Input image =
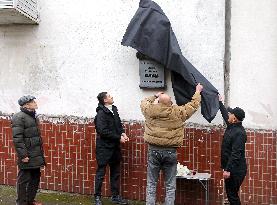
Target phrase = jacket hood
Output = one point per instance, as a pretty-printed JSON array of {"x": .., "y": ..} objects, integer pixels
[{"x": 102, "y": 107}]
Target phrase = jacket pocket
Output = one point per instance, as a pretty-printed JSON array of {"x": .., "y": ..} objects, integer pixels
[
  {"x": 35, "y": 141},
  {"x": 27, "y": 142},
  {"x": 171, "y": 156}
]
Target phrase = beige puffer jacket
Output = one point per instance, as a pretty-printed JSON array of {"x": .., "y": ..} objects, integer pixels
[{"x": 164, "y": 125}]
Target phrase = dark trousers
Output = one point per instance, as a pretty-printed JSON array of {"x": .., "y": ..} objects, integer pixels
[
  {"x": 27, "y": 185},
  {"x": 113, "y": 161},
  {"x": 232, "y": 186}
]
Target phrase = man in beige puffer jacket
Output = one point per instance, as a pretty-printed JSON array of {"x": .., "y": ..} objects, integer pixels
[{"x": 164, "y": 132}]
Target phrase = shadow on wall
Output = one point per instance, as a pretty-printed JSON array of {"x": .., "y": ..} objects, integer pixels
[{"x": 262, "y": 119}]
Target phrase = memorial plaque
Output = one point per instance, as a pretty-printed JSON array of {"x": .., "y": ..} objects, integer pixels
[{"x": 151, "y": 74}]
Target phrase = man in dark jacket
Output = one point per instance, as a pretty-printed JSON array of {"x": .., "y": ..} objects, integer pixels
[
  {"x": 28, "y": 144},
  {"x": 110, "y": 134},
  {"x": 233, "y": 160}
]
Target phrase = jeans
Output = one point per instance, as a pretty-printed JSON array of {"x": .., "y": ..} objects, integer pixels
[
  {"x": 232, "y": 186},
  {"x": 27, "y": 185},
  {"x": 164, "y": 159}
]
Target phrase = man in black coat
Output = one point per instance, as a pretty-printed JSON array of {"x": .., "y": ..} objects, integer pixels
[
  {"x": 28, "y": 145},
  {"x": 233, "y": 160},
  {"x": 110, "y": 134}
]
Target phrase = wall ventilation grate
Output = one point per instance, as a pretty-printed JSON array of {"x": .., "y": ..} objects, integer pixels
[{"x": 19, "y": 12}]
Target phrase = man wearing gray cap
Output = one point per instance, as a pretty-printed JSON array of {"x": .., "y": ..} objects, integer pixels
[{"x": 28, "y": 145}]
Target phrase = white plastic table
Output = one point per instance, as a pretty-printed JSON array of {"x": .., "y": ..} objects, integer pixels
[{"x": 203, "y": 178}]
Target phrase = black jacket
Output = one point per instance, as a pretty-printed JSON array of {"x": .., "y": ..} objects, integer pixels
[
  {"x": 233, "y": 145},
  {"x": 27, "y": 140},
  {"x": 108, "y": 126}
]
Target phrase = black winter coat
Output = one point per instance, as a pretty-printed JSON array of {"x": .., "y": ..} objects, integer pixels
[
  {"x": 233, "y": 146},
  {"x": 109, "y": 129},
  {"x": 27, "y": 140},
  {"x": 108, "y": 126}
]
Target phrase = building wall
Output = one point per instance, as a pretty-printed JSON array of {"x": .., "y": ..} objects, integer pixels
[
  {"x": 75, "y": 53},
  {"x": 253, "y": 61},
  {"x": 69, "y": 145}
]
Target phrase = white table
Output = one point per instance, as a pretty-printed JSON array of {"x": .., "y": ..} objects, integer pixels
[{"x": 203, "y": 178}]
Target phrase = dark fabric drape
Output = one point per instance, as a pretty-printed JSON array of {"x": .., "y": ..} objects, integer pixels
[{"x": 150, "y": 33}]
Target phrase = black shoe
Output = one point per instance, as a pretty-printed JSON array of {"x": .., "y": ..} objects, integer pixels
[
  {"x": 98, "y": 200},
  {"x": 118, "y": 200}
]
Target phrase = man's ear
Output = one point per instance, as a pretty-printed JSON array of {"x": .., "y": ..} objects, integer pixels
[{"x": 105, "y": 99}]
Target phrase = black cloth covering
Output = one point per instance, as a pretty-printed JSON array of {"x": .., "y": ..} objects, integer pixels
[{"x": 150, "y": 33}]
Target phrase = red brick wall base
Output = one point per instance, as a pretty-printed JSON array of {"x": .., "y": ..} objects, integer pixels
[{"x": 69, "y": 145}]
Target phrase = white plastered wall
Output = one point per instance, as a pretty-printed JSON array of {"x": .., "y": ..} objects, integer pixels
[
  {"x": 254, "y": 61},
  {"x": 75, "y": 53}
]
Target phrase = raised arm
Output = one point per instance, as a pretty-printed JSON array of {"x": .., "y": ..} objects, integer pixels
[
  {"x": 187, "y": 110},
  {"x": 148, "y": 107},
  {"x": 223, "y": 110},
  {"x": 190, "y": 108}
]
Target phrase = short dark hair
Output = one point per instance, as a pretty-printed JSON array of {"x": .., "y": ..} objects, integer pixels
[{"x": 101, "y": 96}]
